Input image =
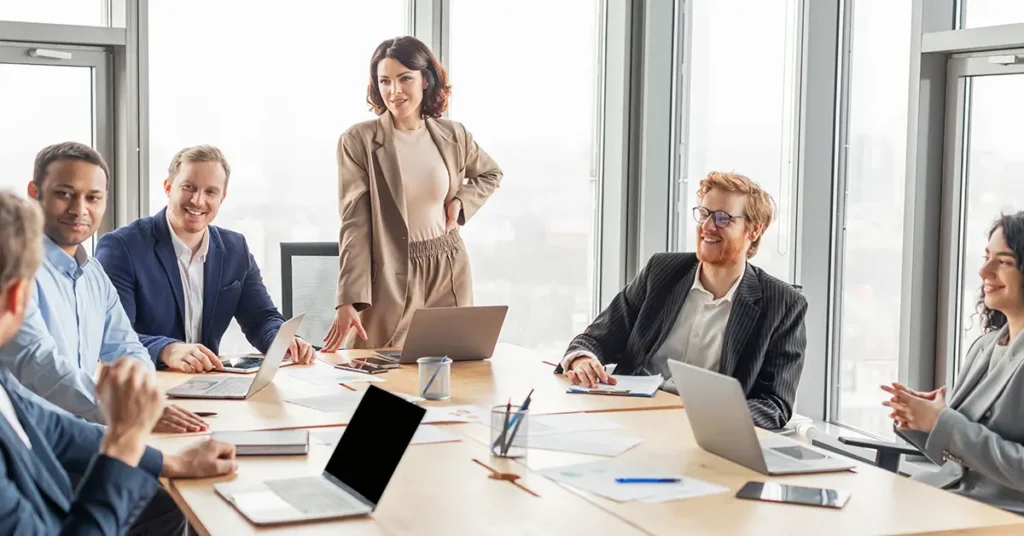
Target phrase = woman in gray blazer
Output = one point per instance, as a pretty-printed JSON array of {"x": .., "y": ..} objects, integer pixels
[{"x": 977, "y": 437}]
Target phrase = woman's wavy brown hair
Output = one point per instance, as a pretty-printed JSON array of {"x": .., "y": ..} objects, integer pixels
[{"x": 415, "y": 55}]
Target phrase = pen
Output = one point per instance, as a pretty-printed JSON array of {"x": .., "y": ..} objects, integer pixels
[
  {"x": 206, "y": 413},
  {"x": 647, "y": 480},
  {"x": 524, "y": 407}
]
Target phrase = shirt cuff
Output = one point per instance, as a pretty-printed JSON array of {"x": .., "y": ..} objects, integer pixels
[
  {"x": 152, "y": 462},
  {"x": 569, "y": 357}
]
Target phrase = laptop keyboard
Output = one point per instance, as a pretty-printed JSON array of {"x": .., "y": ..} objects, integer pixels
[
  {"x": 231, "y": 386},
  {"x": 314, "y": 496}
]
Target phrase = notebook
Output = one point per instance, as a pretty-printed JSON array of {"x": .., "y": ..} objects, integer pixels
[
  {"x": 625, "y": 386},
  {"x": 266, "y": 442}
]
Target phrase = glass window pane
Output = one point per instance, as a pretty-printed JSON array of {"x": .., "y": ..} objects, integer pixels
[
  {"x": 978, "y": 13},
  {"x": 40, "y": 105},
  {"x": 741, "y": 115},
  {"x": 76, "y": 12},
  {"x": 993, "y": 182},
  {"x": 532, "y": 244},
  {"x": 273, "y": 87},
  {"x": 875, "y": 182}
]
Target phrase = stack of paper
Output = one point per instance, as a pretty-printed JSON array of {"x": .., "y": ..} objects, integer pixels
[
  {"x": 425, "y": 434},
  {"x": 596, "y": 444},
  {"x": 321, "y": 376},
  {"x": 599, "y": 478},
  {"x": 570, "y": 423},
  {"x": 340, "y": 401},
  {"x": 625, "y": 385}
]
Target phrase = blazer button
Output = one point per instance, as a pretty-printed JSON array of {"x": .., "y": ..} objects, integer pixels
[{"x": 988, "y": 414}]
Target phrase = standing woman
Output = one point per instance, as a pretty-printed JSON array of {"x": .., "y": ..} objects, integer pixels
[{"x": 406, "y": 181}]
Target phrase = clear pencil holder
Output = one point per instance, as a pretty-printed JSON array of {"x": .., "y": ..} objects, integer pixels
[
  {"x": 509, "y": 431},
  {"x": 435, "y": 377}
]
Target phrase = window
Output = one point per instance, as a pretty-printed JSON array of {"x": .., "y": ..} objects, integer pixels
[
  {"x": 743, "y": 87},
  {"x": 531, "y": 103},
  {"x": 992, "y": 183},
  {"x": 978, "y": 13},
  {"x": 273, "y": 86},
  {"x": 869, "y": 275},
  {"x": 76, "y": 12},
  {"x": 41, "y": 105}
]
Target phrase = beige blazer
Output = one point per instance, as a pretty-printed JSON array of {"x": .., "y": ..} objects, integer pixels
[{"x": 373, "y": 245}]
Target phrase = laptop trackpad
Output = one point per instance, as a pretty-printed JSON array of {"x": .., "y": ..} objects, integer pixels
[{"x": 800, "y": 453}]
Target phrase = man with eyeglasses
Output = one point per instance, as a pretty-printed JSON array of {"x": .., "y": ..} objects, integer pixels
[{"x": 710, "y": 309}]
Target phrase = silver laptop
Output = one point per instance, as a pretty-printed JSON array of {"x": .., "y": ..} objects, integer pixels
[
  {"x": 721, "y": 423},
  {"x": 240, "y": 388},
  {"x": 355, "y": 477},
  {"x": 461, "y": 333}
]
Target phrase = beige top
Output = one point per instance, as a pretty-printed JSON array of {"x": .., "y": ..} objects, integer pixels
[{"x": 425, "y": 179}]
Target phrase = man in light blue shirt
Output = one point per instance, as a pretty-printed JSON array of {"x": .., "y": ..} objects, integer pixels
[{"x": 74, "y": 318}]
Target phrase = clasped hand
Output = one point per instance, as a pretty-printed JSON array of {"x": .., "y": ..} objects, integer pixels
[{"x": 914, "y": 410}]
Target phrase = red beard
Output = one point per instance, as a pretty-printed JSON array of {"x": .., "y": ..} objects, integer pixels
[{"x": 725, "y": 252}]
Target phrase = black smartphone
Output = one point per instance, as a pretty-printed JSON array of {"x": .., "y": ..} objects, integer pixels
[
  {"x": 783, "y": 493},
  {"x": 358, "y": 366},
  {"x": 393, "y": 355}
]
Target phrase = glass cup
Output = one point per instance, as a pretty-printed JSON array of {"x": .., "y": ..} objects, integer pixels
[
  {"x": 509, "y": 431},
  {"x": 435, "y": 377}
]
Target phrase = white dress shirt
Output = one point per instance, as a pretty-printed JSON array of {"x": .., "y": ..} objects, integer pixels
[
  {"x": 698, "y": 333},
  {"x": 7, "y": 409},
  {"x": 191, "y": 269}
]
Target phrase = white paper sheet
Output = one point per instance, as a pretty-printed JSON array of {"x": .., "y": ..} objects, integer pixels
[
  {"x": 340, "y": 401},
  {"x": 456, "y": 414},
  {"x": 594, "y": 443},
  {"x": 425, "y": 434},
  {"x": 599, "y": 478},
  {"x": 637, "y": 385},
  {"x": 321, "y": 376},
  {"x": 570, "y": 423}
]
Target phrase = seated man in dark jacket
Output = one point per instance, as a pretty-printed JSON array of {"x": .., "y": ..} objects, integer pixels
[
  {"x": 40, "y": 449},
  {"x": 710, "y": 309}
]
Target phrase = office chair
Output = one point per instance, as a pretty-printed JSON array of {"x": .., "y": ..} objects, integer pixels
[
  {"x": 309, "y": 277},
  {"x": 887, "y": 454}
]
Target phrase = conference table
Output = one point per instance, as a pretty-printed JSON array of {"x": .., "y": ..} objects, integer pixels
[{"x": 458, "y": 487}]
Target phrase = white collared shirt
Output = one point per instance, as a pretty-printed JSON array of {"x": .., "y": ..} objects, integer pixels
[
  {"x": 696, "y": 337},
  {"x": 190, "y": 267},
  {"x": 7, "y": 409}
]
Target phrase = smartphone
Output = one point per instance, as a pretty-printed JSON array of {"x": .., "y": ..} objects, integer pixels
[
  {"x": 379, "y": 361},
  {"x": 783, "y": 493},
  {"x": 365, "y": 368}
]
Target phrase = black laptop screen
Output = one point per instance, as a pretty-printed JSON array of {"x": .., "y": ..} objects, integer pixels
[{"x": 374, "y": 442}]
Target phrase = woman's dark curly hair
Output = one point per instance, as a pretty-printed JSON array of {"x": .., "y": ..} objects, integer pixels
[
  {"x": 1013, "y": 231},
  {"x": 415, "y": 55}
]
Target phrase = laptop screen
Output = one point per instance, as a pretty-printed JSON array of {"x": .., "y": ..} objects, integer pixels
[{"x": 374, "y": 442}]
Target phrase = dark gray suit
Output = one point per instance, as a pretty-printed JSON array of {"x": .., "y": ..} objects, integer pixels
[
  {"x": 764, "y": 339},
  {"x": 979, "y": 439}
]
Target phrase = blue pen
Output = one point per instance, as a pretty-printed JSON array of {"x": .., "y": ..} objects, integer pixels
[{"x": 647, "y": 480}]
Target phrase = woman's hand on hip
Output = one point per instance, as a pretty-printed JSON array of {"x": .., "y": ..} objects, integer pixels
[
  {"x": 452, "y": 212},
  {"x": 345, "y": 319}
]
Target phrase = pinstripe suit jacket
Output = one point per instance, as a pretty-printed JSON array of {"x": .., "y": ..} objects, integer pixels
[{"x": 764, "y": 342}]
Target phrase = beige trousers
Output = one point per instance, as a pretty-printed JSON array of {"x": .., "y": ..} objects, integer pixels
[{"x": 439, "y": 276}]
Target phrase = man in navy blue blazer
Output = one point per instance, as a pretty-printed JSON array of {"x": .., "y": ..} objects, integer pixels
[
  {"x": 181, "y": 280},
  {"x": 43, "y": 450}
]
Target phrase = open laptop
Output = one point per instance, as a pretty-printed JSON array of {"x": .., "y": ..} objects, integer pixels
[
  {"x": 354, "y": 480},
  {"x": 721, "y": 423},
  {"x": 461, "y": 333},
  {"x": 246, "y": 363},
  {"x": 240, "y": 388}
]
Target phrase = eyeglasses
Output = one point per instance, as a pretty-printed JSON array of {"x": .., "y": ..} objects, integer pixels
[{"x": 721, "y": 218}]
